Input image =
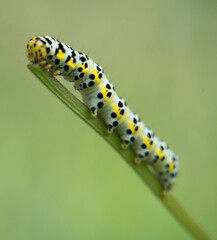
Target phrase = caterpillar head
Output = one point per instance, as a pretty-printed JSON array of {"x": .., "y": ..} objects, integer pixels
[{"x": 36, "y": 50}]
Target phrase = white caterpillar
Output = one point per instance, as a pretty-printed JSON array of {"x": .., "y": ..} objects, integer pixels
[{"x": 100, "y": 97}]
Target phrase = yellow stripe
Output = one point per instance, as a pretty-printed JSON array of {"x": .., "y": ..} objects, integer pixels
[
  {"x": 159, "y": 153},
  {"x": 70, "y": 63},
  {"x": 171, "y": 166},
  {"x": 61, "y": 55},
  {"x": 147, "y": 142}
]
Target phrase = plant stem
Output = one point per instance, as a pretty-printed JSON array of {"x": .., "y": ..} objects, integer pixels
[{"x": 114, "y": 140}]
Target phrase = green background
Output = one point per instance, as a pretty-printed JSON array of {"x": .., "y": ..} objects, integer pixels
[{"x": 161, "y": 57}]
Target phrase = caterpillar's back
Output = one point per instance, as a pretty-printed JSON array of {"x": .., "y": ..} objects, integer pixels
[{"x": 100, "y": 97}]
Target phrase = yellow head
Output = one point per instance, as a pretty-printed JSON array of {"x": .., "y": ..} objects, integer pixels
[{"x": 36, "y": 50}]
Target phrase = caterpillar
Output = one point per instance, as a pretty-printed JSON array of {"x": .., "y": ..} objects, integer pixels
[{"x": 100, "y": 97}]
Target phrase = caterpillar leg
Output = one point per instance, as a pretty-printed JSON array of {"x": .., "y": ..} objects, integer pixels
[
  {"x": 42, "y": 62},
  {"x": 91, "y": 103},
  {"x": 93, "y": 112},
  {"x": 137, "y": 160},
  {"x": 109, "y": 129},
  {"x": 125, "y": 144},
  {"x": 48, "y": 66},
  {"x": 56, "y": 73}
]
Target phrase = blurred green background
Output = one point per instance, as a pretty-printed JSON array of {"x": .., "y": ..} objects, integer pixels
[{"x": 52, "y": 179}]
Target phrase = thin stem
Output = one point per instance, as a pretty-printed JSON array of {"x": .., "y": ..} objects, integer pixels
[{"x": 113, "y": 139}]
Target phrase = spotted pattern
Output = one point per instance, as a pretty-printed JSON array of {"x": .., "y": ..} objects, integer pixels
[{"x": 102, "y": 100}]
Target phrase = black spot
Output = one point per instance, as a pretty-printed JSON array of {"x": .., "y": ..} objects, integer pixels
[
  {"x": 143, "y": 146},
  {"x": 57, "y": 61},
  {"x": 34, "y": 44},
  {"x": 154, "y": 161},
  {"x": 167, "y": 165},
  {"x": 66, "y": 68},
  {"x": 67, "y": 59},
  {"x": 43, "y": 41},
  {"x": 126, "y": 141},
  {"x": 163, "y": 158},
  {"x": 108, "y": 86},
  {"x": 83, "y": 59},
  {"x": 100, "y": 75},
  {"x": 172, "y": 175},
  {"x": 76, "y": 78},
  {"x": 129, "y": 131},
  {"x": 149, "y": 135},
  {"x": 92, "y": 76},
  {"x": 140, "y": 156},
  {"x": 146, "y": 154},
  {"x": 48, "y": 40},
  {"x": 113, "y": 115},
  {"x": 91, "y": 83},
  {"x": 73, "y": 54},
  {"x": 80, "y": 69},
  {"x": 80, "y": 53},
  {"x": 136, "y": 128},
  {"x": 115, "y": 123},
  {"x": 98, "y": 68},
  {"x": 100, "y": 95},
  {"x": 134, "y": 120},
  {"x": 84, "y": 85},
  {"x": 122, "y": 112},
  {"x": 110, "y": 127},
  {"x": 57, "y": 50},
  {"x": 93, "y": 109},
  {"x": 81, "y": 75},
  {"x": 151, "y": 142},
  {"x": 132, "y": 139},
  {"x": 100, "y": 104},
  {"x": 49, "y": 57},
  {"x": 161, "y": 147},
  {"x": 109, "y": 94},
  {"x": 85, "y": 65},
  {"x": 120, "y": 104},
  {"x": 61, "y": 47}
]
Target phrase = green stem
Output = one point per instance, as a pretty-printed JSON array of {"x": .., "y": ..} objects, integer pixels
[{"x": 141, "y": 169}]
